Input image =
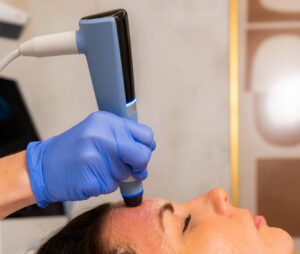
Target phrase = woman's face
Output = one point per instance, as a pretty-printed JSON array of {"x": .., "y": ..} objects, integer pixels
[{"x": 206, "y": 225}]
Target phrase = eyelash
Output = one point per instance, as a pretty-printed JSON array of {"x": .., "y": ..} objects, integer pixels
[{"x": 186, "y": 223}]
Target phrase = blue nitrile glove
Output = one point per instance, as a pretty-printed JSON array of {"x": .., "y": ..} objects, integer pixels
[{"x": 89, "y": 159}]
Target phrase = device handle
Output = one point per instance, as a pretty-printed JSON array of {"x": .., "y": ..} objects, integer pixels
[{"x": 98, "y": 40}]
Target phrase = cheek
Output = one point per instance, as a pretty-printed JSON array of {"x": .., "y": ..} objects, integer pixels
[
  {"x": 222, "y": 237},
  {"x": 205, "y": 241}
]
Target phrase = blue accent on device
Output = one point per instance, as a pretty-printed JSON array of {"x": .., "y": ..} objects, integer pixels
[
  {"x": 104, "y": 39},
  {"x": 133, "y": 195},
  {"x": 131, "y": 102}
]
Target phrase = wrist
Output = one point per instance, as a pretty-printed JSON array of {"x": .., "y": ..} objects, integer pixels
[
  {"x": 15, "y": 189},
  {"x": 34, "y": 158}
]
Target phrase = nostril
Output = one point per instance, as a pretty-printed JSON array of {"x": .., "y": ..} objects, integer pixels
[{"x": 226, "y": 199}]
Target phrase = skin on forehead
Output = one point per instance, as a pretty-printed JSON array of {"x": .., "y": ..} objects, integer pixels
[{"x": 139, "y": 226}]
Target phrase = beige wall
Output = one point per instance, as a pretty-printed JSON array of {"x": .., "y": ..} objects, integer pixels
[
  {"x": 267, "y": 39},
  {"x": 180, "y": 54}
]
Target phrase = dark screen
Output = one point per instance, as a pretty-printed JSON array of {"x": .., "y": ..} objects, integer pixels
[{"x": 16, "y": 127}]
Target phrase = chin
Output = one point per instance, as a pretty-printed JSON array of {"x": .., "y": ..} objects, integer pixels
[{"x": 284, "y": 239}]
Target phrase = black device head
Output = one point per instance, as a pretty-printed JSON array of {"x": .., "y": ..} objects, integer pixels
[{"x": 133, "y": 201}]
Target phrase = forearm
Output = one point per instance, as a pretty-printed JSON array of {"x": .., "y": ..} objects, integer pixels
[{"x": 15, "y": 188}]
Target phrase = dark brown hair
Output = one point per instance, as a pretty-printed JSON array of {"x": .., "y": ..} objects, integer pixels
[{"x": 83, "y": 235}]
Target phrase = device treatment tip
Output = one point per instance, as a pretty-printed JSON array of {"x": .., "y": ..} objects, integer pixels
[{"x": 133, "y": 201}]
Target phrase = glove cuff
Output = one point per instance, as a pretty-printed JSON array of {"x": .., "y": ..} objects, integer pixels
[{"x": 34, "y": 157}]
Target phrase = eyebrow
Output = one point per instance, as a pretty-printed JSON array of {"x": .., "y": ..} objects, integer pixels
[{"x": 166, "y": 207}]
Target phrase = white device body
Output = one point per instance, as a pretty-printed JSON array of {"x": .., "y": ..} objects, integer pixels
[{"x": 50, "y": 45}]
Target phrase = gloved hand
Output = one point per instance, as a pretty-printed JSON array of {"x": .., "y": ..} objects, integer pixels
[{"x": 89, "y": 159}]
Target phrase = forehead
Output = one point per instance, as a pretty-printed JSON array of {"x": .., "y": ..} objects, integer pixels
[
  {"x": 141, "y": 216},
  {"x": 138, "y": 226}
]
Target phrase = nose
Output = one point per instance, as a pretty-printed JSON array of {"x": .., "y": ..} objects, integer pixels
[{"x": 219, "y": 200}]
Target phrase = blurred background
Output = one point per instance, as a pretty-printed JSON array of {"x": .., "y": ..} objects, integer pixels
[
  {"x": 182, "y": 57},
  {"x": 269, "y": 83}
]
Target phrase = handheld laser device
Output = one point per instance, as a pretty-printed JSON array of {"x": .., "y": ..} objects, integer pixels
[{"x": 104, "y": 39}]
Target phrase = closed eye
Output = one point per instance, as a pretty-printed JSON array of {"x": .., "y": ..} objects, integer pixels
[{"x": 186, "y": 223}]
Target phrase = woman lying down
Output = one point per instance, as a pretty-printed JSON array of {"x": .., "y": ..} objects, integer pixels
[{"x": 205, "y": 225}]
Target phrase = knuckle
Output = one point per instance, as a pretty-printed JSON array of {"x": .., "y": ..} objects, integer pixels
[
  {"x": 85, "y": 134},
  {"x": 88, "y": 157},
  {"x": 144, "y": 158},
  {"x": 94, "y": 116},
  {"x": 147, "y": 154},
  {"x": 148, "y": 134},
  {"x": 99, "y": 115},
  {"x": 141, "y": 175}
]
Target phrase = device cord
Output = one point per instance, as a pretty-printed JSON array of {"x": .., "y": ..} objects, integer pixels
[{"x": 8, "y": 58}]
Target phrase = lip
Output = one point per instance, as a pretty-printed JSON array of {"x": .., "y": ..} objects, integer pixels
[{"x": 259, "y": 221}]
